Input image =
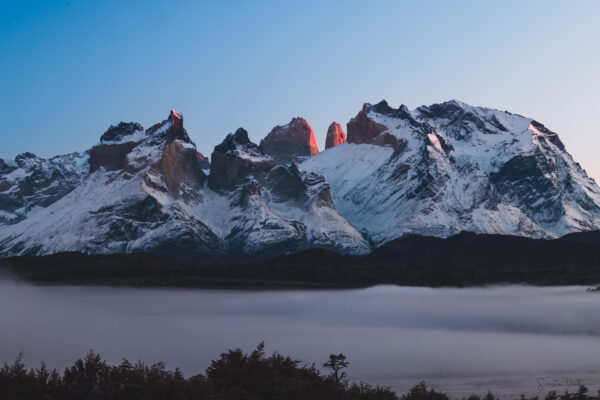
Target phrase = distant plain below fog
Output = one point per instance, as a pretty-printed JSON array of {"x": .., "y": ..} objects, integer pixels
[{"x": 511, "y": 339}]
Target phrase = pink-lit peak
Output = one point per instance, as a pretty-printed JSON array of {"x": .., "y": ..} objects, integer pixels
[{"x": 176, "y": 114}]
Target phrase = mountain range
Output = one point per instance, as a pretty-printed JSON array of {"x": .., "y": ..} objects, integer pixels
[{"x": 433, "y": 171}]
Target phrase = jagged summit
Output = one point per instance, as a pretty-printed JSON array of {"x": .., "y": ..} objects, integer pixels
[
  {"x": 444, "y": 168},
  {"x": 171, "y": 128},
  {"x": 25, "y": 156},
  {"x": 235, "y": 159},
  {"x": 175, "y": 115},
  {"x": 436, "y": 170},
  {"x": 292, "y": 142},
  {"x": 176, "y": 120},
  {"x": 272, "y": 209},
  {"x": 131, "y": 200},
  {"x": 123, "y": 131},
  {"x": 232, "y": 140}
]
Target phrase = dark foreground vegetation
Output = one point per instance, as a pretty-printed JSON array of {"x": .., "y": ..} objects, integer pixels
[
  {"x": 463, "y": 260},
  {"x": 234, "y": 376}
]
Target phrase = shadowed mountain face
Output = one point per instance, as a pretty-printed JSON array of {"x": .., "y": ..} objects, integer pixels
[{"x": 434, "y": 171}]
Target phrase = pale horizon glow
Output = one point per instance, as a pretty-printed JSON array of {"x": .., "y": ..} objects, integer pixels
[{"x": 72, "y": 68}]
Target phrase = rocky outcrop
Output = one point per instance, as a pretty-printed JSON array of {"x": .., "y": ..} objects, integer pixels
[
  {"x": 110, "y": 156},
  {"x": 24, "y": 159},
  {"x": 544, "y": 133},
  {"x": 293, "y": 142},
  {"x": 204, "y": 162},
  {"x": 363, "y": 129},
  {"x": 123, "y": 131},
  {"x": 170, "y": 129},
  {"x": 181, "y": 170},
  {"x": 335, "y": 135},
  {"x": 235, "y": 159},
  {"x": 115, "y": 144},
  {"x": 289, "y": 184},
  {"x": 175, "y": 165}
]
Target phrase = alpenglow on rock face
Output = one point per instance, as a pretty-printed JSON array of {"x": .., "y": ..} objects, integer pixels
[
  {"x": 335, "y": 135},
  {"x": 293, "y": 142},
  {"x": 450, "y": 167},
  {"x": 435, "y": 170}
]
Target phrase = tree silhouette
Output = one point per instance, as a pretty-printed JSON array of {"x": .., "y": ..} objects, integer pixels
[{"x": 337, "y": 362}]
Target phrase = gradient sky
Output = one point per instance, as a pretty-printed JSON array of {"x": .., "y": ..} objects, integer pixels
[{"x": 69, "y": 69}]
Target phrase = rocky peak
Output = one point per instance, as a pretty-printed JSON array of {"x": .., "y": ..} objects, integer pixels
[
  {"x": 170, "y": 129},
  {"x": 460, "y": 120},
  {"x": 335, "y": 135},
  {"x": 176, "y": 120},
  {"x": 180, "y": 166},
  {"x": 384, "y": 108},
  {"x": 124, "y": 131},
  {"x": 447, "y": 109},
  {"x": 362, "y": 129},
  {"x": 290, "y": 143},
  {"x": 115, "y": 144},
  {"x": 119, "y": 141},
  {"x": 233, "y": 140},
  {"x": 25, "y": 159},
  {"x": 176, "y": 131},
  {"x": 370, "y": 126},
  {"x": 235, "y": 159},
  {"x": 25, "y": 156}
]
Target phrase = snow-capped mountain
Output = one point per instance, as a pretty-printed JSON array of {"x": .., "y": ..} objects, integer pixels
[
  {"x": 435, "y": 170},
  {"x": 30, "y": 183},
  {"x": 129, "y": 201},
  {"x": 265, "y": 209},
  {"x": 451, "y": 167},
  {"x": 145, "y": 190}
]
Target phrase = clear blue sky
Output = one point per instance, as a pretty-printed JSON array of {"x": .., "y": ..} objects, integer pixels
[{"x": 69, "y": 69}]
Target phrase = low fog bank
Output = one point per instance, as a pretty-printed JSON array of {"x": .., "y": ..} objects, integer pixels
[{"x": 390, "y": 334}]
